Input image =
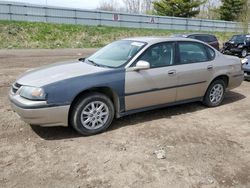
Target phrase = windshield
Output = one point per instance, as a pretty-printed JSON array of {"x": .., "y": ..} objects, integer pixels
[
  {"x": 238, "y": 38},
  {"x": 117, "y": 53}
]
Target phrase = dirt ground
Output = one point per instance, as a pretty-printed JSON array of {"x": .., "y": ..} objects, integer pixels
[{"x": 204, "y": 147}]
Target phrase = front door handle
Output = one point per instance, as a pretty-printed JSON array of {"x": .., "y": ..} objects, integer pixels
[
  {"x": 209, "y": 67},
  {"x": 172, "y": 72}
]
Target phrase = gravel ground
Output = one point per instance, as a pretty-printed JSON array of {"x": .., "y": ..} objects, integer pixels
[{"x": 203, "y": 147}]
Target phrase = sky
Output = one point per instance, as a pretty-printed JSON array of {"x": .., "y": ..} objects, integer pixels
[{"x": 82, "y": 4}]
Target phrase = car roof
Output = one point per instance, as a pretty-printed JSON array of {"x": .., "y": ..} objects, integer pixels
[
  {"x": 152, "y": 39},
  {"x": 190, "y": 34}
]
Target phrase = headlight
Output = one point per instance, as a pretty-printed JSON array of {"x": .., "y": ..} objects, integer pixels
[
  {"x": 240, "y": 46},
  {"x": 32, "y": 93},
  {"x": 243, "y": 61}
]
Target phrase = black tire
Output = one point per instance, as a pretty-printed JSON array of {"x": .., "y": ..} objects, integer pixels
[
  {"x": 78, "y": 107},
  {"x": 243, "y": 53},
  {"x": 207, "y": 100}
]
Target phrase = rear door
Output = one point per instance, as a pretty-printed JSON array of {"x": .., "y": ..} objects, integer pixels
[{"x": 194, "y": 70}]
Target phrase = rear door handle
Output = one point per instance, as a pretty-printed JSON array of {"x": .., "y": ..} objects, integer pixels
[
  {"x": 172, "y": 72},
  {"x": 209, "y": 67}
]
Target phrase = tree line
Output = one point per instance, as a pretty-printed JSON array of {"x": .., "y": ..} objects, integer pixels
[{"x": 228, "y": 10}]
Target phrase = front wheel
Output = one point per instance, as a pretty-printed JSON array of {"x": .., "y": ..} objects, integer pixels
[
  {"x": 92, "y": 114},
  {"x": 215, "y": 93}
]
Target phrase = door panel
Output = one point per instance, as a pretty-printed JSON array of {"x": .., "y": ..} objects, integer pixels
[
  {"x": 149, "y": 87},
  {"x": 194, "y": 80},
  {"x": 194, "y": 70}
]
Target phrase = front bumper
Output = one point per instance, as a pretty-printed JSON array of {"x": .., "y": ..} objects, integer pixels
[
  {"x": 232, "y": 50},
  {"x": 246, "y": 69},
  {"x": 235, "y": 50},
  {"x": 247, "y": 76},
  {"x": 38, "y": 113}
]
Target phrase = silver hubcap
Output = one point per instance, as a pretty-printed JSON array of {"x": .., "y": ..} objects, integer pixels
[
  {"x": 94, "y": 115},
  {"x": 244, "y": 53},
  {"x": 216, "y": 93}
]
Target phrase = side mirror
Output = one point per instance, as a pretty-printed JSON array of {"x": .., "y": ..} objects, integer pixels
[
  {"x": 141, "y": 65},
  {"x": 82, "y": 59}
]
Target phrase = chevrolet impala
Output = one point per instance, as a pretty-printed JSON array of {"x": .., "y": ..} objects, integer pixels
[{"x": 127, "y": 76}]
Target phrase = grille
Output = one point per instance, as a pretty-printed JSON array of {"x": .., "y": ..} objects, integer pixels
[
  {"x": 15, "y": 87},
  {"x": 230, "y": 45}
]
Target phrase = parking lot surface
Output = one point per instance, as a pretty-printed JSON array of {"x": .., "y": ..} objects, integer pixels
[{"x": 203, "y": 147}]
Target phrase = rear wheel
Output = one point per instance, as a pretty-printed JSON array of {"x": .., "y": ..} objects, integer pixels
[
  {"x": 92, "y": 114},
  {"x": 215, "y": 93}
]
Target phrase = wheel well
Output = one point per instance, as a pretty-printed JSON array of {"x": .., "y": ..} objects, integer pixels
[
  {"x": 225, "y": 78},
  {"x": 104, "y": 90}
]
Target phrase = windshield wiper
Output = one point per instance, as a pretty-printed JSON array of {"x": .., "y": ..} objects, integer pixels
[
  {"x": 98, "y": 65},
  {"x": 94, "y": 63},
  {"x": 91, "y": 61}
]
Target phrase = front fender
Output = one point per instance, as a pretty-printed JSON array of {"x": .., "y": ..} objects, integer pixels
[{"x": 64, "y": 92}]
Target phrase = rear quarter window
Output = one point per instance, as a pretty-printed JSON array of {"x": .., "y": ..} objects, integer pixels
[{"x": 211, "y": 53}]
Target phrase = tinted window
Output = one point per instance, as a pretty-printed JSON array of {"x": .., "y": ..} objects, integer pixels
[
  {"x": 202, "y": 38},
  {"x": 191, "y": 52},
  {"x": 192, "y": 37},
  {"x": 159, "y": 55},
  {"x": 213, "y": 38},
  {"x": 238, "y": 38},
  {"x": 205, "y": 38}
]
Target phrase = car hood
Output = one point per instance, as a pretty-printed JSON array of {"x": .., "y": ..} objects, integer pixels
[
  {"x": 56, "y": 72},
  {"x": 233, "y": 43}
]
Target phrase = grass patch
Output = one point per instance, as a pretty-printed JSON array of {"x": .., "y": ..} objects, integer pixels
[{"x": 46, "y": 35}]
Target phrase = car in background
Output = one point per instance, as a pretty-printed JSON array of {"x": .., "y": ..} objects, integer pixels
[
  {"x": 238, "y": 45},
  {"x": 246, "y": 67},
  {"x": 208, "y": 38},
  {"x": 125, "y": 77}
]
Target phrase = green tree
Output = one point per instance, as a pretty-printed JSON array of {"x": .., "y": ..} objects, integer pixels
[
  {"x": 244, "y": 16},
  {"x": 230, "y": 10},
  {"x": 179, "y": 8}
]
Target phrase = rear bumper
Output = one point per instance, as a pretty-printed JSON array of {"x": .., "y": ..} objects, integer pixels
[{"x": 39, "y": 115}]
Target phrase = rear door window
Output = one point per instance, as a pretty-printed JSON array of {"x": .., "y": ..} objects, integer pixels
[{"x": 192, "y": 52}]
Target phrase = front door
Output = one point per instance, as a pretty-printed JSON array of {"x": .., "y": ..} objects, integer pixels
[{"x": 154, "y": 86}]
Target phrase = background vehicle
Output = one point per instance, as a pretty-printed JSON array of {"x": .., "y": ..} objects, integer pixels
[
  {"x": 238, "y": 45},
  {"x": 246, "y": 67},
  {"x": 208, "y": 38},
  {"x": 124, "y": 77}
]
